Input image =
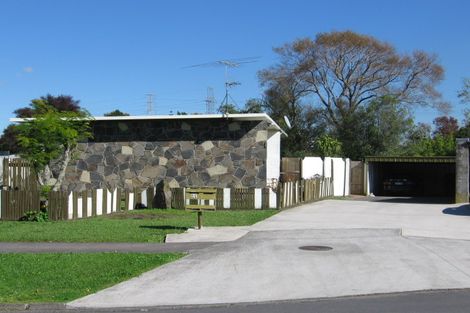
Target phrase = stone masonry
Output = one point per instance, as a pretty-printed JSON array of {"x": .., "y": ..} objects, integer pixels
[{"x": 181, "y": 153}]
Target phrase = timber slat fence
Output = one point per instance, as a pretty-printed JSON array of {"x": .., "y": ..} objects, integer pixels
[
  {"x": 18, "y": 174},
  {"x": 73, "y": 205}
]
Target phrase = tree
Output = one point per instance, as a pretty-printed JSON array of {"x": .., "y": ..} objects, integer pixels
[
  {"x": 446, "y": 126},
  {"x": 327, "y": 146},
  {"x": 464, "y": 93},
  {"x": 47, "y": 140},
  {"x": 376, "y": 129},
  {"x": 61, "y": 103},
  {"x": 345, "y": 71},
  {"x": 9, "y": 140},
  {"x": 253, "y": 106},
  {"x": 116, "y": 113}
]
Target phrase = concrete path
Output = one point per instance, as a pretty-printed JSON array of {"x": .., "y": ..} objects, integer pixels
[
  {"x": 64, "y": 247},
  {"x": 268, "y": 266},
  {"x": 415, "y": 219}
]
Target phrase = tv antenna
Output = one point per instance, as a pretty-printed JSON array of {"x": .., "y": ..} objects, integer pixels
[{"x": 227, "y": 63}]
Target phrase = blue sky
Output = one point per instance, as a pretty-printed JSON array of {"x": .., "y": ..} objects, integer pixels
[{"x": 109, "y": 54}]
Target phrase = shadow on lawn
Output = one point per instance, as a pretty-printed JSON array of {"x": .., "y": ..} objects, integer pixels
[
  {"x": 163, "y": 227},
  {"x": 463, "y": 210}
]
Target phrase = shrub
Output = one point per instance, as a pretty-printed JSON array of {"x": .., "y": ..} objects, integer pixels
[{"x": 35, "y": 216}]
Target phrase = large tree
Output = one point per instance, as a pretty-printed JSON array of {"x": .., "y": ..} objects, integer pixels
[
  {"x": 61, "y": 103},
  {"x": 343, "y": 72},
  {"x": 47, "y": 140}
]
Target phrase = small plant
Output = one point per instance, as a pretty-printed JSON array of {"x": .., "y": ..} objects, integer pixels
[{"x": 35, "y": 216}]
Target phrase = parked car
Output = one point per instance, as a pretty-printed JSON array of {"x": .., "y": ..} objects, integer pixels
[{"x": 398, "y": 185}]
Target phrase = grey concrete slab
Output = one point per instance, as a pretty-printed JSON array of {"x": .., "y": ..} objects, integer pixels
[
  {"x": 415, "y": 219},
  {"x": 65, "y": 247},
  {"x": 268, "y": 266}
]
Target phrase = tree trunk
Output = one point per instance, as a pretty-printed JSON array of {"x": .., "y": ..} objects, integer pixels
[{"x": 63, "y": 166}]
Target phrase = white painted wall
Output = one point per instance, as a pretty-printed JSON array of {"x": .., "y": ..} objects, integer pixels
[
  {"x": 312, "y": 166},
  {"x": 338, "y": 176},
  {"x": 273, "y": 155},
  {"x": 327, "y": 167}
]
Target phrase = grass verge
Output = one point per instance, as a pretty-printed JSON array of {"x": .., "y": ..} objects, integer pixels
[
  {"x": 151, "y": 225},
  {"x": 59, "y": 277}
]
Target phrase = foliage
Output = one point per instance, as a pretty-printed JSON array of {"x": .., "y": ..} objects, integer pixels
[
  {"x": 35, "y": 216},
  {"x": 9, "y": 140},
  {"x": 253, "y": 106},
  {"x": 51, "y": 136},
  {"x": 376, "y": 129},
  {"x": 445, "y": 126},
  {"x": 437, "y": 146},
  {"x": 150, "y": 225},
  {"x": 228, "y": 109},
  {"x": 464, "y": 93},
  {"x": 116, "y": 113},
  {"x": 61, "y": 277},
  {"x": 60, "y": 103},
  {"x": 328, "y": 146},
  {"x": 345, "y": 75}
]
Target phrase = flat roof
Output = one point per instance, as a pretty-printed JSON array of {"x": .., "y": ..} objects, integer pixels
[
  {"x": 411, "y": 159},
  {"x": 235, "y": 117}
]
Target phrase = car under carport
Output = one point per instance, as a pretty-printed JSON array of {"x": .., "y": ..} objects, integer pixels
[{"x": 410, "y": 176}]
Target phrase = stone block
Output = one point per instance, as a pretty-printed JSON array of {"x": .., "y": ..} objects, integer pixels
[
  {"x": 207, "y": 145},
  {"x": 126, "y": 150},
  {"x": 216, "y": 170},
  {"x": 85, "y": 177}
]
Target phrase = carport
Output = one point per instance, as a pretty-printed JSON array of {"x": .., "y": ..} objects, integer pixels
[{"x": 410, "y": 176}]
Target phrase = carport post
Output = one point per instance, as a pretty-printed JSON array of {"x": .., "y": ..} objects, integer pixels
[{"x": 462, "y": 170}]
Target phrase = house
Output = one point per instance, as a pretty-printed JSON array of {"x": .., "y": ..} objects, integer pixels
[{"x": 225, "y": 151}]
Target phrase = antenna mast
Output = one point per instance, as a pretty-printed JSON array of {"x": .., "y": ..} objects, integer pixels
[{"x": 210, "y": 100}]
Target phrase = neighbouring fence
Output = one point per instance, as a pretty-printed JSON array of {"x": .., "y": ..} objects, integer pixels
[{"x": 304, "y": 191}]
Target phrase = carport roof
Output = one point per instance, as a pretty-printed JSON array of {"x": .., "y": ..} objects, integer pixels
[{"x": 411, "y": 159}]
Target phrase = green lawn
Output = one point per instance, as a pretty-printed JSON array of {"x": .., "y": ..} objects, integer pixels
[
  {"x": 58, "y": 277},
  {"x": 149, "y": 225}
]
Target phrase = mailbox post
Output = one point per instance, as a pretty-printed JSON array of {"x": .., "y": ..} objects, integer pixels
[{"x": 199, "y": 200}]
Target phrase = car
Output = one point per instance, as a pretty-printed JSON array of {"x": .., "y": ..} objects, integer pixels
[{"x": 398, "y": 185}]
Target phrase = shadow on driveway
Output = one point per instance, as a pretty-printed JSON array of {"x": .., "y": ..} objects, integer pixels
[
  {"x": 463, "y": 210},
  {"x": 434, "y": 200}
]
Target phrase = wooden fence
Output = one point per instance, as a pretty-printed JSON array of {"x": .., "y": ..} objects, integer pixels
[
  {"x": 15, "y": 203},
  {"x": 302, "y": 191},
  {"x": 73, "y": 205},
  {"x": 18, "y": 174}
]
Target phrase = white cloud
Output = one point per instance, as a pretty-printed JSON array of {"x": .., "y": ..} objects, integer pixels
[{"x": 27, "y": 69}]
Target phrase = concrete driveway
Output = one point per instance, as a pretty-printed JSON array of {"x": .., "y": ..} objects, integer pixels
[
  {"x": 266, "y": 264},
  {"x": 414, "y": 219}
]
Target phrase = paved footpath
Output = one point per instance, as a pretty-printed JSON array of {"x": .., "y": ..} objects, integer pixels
[{"x": 63, "y": 247}]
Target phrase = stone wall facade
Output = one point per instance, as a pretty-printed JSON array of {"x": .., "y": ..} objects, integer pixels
[{"x": 181, "y": 153}]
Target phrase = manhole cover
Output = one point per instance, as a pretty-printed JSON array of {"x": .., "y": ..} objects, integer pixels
[{"x": 316, "y": 248}]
